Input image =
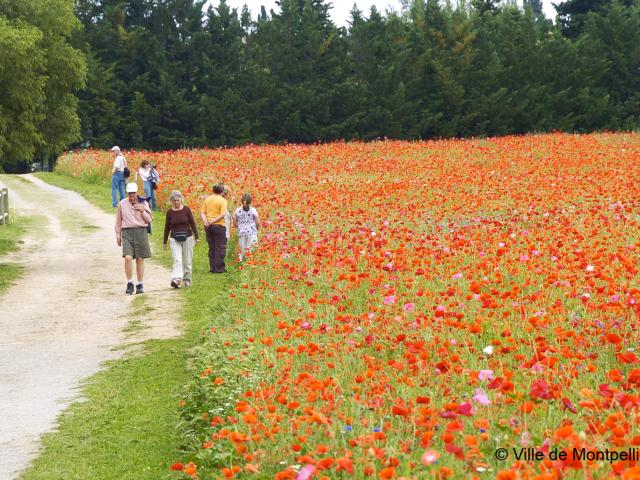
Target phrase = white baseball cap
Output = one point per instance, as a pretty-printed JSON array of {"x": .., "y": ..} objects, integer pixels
[
  {"x": 115, "y": 148},
  {"x": 132, "y": 187}
]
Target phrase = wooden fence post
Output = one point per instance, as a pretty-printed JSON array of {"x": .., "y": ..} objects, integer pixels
[{"x": 4, "y": 206}]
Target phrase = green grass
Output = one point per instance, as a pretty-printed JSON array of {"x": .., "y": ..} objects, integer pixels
[
  {"x": 10, "y": 240},
  {"x": 128, "y": 426},
  {"x": 10, "y": 235}
]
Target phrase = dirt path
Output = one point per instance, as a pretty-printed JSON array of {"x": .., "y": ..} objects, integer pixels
[{"x": 67, "y": 312}]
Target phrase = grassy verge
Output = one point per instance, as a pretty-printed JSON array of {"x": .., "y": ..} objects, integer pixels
[
  {"x": 10, "y": 235},
  {"x": 129, "y": 425}
]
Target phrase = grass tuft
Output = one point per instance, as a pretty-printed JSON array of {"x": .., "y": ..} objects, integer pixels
[{"x": 10, "y": 240}]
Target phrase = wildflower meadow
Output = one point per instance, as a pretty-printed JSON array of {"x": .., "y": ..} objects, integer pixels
[{"x": 414, "y": 307}]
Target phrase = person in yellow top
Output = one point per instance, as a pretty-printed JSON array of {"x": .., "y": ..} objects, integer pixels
[{"x": 213, "y": 214}]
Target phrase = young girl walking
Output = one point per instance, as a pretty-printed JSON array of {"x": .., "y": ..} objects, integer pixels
[{"x": 247, "y": 221}]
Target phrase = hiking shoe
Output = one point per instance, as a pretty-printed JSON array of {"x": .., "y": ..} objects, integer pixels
[
  {"x": 139, "y": 288},
  {"x": 129, "y": 288},
  {"x": 175, "y": 283}
]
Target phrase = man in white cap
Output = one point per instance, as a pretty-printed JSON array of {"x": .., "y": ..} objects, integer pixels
[
  {"x": 117, "y": 175},
  {"x": 132, "y": 219}
]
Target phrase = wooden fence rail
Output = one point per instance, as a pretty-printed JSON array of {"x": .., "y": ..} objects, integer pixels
[{"x": 4, "y": 206}]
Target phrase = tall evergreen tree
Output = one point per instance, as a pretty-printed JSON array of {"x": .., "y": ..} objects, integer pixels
[
  {"x": 572, "y": 14},
  {"x": 302, "y": 52},
  {"x": 612, "y": 39},
  {"x": 377, "y": 98},
  {"x": 224, "y": 114},
  {"x": 441, "y": 51},
  {"x": 536, "y": 8}
]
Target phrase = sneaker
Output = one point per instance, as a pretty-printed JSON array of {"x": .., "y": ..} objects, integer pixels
[
  {"x": 187, "y": 284},
  {"x": 129, "y": 288},
  {"x": 175, "y": 283},
  {"x": 139, "y": 289}
]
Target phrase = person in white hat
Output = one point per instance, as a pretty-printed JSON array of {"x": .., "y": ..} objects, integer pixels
[
  {"x": 117, "y": 175},
  {"x": 132, "y": 218}
]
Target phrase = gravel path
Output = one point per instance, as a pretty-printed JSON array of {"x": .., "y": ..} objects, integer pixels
[{"x": 66, "y": 314}]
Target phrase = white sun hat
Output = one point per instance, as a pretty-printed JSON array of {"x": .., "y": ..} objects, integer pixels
[{"x": 132, "y": 187}]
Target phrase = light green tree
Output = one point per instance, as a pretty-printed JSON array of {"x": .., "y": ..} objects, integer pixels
[{"x": 39, "y": 74}]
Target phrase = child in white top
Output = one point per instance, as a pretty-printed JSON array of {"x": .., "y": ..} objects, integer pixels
[{"x": 247, "y": 221}]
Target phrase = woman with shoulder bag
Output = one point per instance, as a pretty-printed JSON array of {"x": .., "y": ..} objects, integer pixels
[{"x": 181, "y": 225}]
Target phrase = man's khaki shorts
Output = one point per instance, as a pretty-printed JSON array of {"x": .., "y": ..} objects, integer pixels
[{"x": 135, "y": 242}]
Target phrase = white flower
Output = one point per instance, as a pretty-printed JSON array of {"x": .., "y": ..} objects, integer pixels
[{"x": 488, "y": 350}]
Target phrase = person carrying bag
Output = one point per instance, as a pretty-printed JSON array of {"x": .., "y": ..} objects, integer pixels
[{"x": 181, "y": 226}]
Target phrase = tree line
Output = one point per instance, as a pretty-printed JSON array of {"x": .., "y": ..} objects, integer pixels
[{"x": 171, "y": 73}]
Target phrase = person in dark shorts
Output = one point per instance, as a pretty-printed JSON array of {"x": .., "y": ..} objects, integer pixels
[{"x": 132, "y": 219}]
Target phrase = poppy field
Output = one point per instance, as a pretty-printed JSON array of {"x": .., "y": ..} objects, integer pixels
[{"x": 413, "y": 307}]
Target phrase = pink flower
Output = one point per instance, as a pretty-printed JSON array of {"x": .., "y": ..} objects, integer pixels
[
  {"x": 306, "y": 472},
  {"x": 389, "y": 300},
  {"x": 481, "y": 397},
  {"x": 465, "y": 408},
  {"x": 305, "y": 326},
  {"x": 408, "y": 307},
  {"x": 484, "y": 375},
  {"x": 429, "y": 457},
  {"x": 457, "y": 276}
]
